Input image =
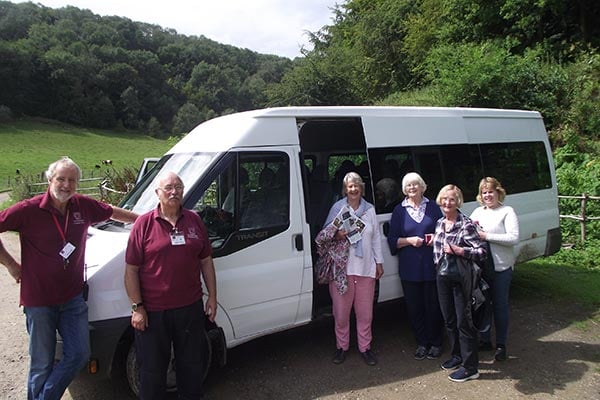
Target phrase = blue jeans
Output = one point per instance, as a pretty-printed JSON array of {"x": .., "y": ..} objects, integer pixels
[
  {"x": 500, "y": 289},
  {"x": 47, "y": 381}
]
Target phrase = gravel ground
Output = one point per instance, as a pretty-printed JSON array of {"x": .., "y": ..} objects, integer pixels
[{"x": 552, "y": 355}]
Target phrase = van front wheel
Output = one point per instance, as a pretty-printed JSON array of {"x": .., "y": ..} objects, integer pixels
[{"x": 133, "y": 372}]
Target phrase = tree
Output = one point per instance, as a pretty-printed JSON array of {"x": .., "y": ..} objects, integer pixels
[{"x": 186, "y": 118}]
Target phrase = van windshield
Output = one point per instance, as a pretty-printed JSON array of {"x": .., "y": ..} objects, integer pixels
[{"x": 189, "y": 166}]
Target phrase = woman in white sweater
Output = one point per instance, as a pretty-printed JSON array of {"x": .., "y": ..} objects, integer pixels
[{"x": 499, "y": 225}]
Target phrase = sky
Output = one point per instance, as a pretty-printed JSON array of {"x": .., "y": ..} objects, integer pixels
[{"x": 265, "y": 26}]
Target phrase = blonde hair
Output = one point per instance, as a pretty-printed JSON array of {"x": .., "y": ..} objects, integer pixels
[
  {"x": 413, "y": 177},
  {"x": 491, "y": 183},
  {"x": 459, "y": 195},
  {"x": 354, "y": 178}
]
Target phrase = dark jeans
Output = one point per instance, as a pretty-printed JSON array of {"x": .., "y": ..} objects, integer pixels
[
  {"x": 424, "y": 313},
  {"x": 462, "y": 335},
  {"x": 184, "y": 329},
  {"x": 500, "y": 289}
]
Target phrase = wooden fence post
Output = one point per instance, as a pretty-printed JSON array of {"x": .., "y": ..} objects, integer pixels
[{"x": 584, "y": 198}]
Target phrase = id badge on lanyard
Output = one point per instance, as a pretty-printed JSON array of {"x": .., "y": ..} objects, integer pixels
[
  {"x": 68, "y": 247},
  {"x": 177, "y": 238}
]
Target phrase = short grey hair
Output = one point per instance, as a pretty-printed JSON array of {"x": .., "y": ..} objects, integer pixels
[
  {"x": 354, "y": 178},
  {"x": 413, "y": 177},
  {"x": 62, "y": 162}
]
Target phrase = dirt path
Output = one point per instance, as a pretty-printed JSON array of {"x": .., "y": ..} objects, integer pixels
[{"x": 553, "y": 355}]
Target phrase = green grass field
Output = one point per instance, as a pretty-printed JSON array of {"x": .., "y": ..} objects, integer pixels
[
  {"x": 571, "y": 275},
  {"x": 29, "y": 146}
]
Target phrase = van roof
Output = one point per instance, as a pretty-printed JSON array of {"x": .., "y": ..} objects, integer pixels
[
  {"x": 387, "y": 111},
  {"x": 278, "y": 126}
]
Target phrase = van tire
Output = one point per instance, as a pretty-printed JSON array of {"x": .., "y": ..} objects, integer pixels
[{"x": 133, "y": 372}]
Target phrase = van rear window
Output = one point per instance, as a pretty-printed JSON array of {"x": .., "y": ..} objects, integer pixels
[{"x": 521, "y": 167}]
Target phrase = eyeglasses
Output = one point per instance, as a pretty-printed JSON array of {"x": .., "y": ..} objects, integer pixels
[{"x": 170, "y": 188}]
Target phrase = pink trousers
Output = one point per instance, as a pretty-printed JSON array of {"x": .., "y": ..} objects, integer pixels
[{"x": 360, "y": 293}]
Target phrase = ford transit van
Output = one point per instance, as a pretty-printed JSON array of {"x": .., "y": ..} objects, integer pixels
[{"x": 263, "y": 182}]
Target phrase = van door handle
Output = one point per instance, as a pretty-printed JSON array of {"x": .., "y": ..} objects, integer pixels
[{"x": 298, "y": 242}]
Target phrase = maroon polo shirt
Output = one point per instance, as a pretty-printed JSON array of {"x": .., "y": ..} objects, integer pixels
[
  {"x": 169, "y": 274},
  {"x": 45, "y": 279}
]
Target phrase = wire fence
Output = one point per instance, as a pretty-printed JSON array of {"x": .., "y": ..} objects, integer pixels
[
  {"x": 8, "y": 182},
  {"x": 87, "y": 186}
]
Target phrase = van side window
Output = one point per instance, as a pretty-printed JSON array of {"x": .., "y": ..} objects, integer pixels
[
  {"x": 251, "y": 192},
  {"x": 268, "y": 192},
  {"x": 218, "y": 205},
  {"x": 388, "y": 167},
  {"x": 523, "y": 166},
  {"x": 341, "y": 164}
]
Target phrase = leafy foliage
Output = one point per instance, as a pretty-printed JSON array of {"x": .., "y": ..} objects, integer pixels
[
  {"x": 116, "y": 184},
  {"x": 586, "y": 256},
  {"x": 578, "y": 173},
  {"x": 486, "y": 74}
]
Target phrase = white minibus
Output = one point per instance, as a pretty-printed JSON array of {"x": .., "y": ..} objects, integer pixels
[{"x": 263, "y": 182}]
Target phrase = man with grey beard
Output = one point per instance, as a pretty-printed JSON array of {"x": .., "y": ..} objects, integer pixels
[{"x": 52, "y": 229}]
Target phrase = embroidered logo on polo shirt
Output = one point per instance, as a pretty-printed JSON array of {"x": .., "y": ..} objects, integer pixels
[
  {"x": 77, "y": 219},
  {"x": 192, "y": 233}
]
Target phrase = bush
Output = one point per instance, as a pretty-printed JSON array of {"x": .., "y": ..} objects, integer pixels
[
  {"x": 584, "y": 255},
  {"x": 186, "y": 118},
  {"x": 22, "y": 187},
  {"x": 584, "y": 112},
  {"x": 577, "y": 173},
  {"x": 6, "y": 114},
  {"x": 425, "y": 97},
  {"x": 488, "y": 74},
  {"x": 117, "y": 184}
]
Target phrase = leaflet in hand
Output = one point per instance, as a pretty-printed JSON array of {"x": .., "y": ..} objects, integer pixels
[{"x": 348, "y": 221}]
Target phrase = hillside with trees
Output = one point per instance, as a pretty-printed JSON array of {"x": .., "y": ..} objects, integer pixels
[{"x": 77, "y": 67}]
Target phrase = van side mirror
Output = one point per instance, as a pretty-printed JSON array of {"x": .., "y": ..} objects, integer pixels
[{"x": 386, "y": 228}]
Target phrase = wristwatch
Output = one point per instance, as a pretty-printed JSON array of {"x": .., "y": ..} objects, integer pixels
[{"x": 135, "y": 306}]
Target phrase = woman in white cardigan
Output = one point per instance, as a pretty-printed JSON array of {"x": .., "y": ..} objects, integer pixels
[{"x": 499, "y": 225}]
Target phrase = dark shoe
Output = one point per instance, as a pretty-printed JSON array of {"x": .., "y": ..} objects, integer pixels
[
  {"x": 339, "y": 356},
  {"x": 500, "y": 353},
  {"x": 463, "y": 375},
  {"x": 369, "y": 357},
  {"x": 452, "y": 363},
  {"x": 421, "y": 353},
  {"x": 485, "y": 346},
  {"x": 434, "y": 353}
]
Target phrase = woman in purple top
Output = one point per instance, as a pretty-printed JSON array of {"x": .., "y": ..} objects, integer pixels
[{"x": 411, "y": 228}]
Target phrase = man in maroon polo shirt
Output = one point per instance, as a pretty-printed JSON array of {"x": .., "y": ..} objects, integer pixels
[
  {"x": 167, "y": 255},
  {"x": 52, "y": 228}
]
